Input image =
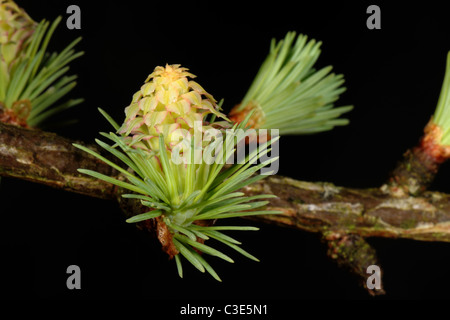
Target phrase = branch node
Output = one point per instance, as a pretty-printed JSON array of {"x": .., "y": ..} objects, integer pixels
[{"x": 352, "y": 252}]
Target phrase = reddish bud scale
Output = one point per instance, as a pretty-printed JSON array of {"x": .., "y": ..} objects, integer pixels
[
  {"x": 255, "y": 122},
  {"x": 420, "y": 164},
  {"x": 17, "y": 115},
  {"x": 430, "y": 144}
]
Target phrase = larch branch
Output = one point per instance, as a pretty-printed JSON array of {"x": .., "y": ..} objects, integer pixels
[
  {"x": 49, "y": 159},
  {"x": 344, "y": 216}
]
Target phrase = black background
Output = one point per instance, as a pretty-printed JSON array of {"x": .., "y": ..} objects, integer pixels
[{"x": 393, "y": 76}]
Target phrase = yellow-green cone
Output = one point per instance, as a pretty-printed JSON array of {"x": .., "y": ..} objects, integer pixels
[
  {"x": 16, "y": 28},
  {"x": 183, "y": 198},
  {"x": 167, "y": 102}
]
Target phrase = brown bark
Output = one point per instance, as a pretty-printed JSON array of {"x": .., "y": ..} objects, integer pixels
[
  {"x": 344, "y": 216},
  {"x": 415, "y": 172},
  {"x": 49, "y": 159},
  {"x": 325, "y": 208}
]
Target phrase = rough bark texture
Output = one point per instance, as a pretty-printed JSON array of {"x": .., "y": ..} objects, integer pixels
[
  {"x": 344, "y": 216},
  {"x": 49, "y": 159},
  {"x": 323, "y": 207},
  {"x": 317, "y": 207},
  {"x": 419, "y": 165}
]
